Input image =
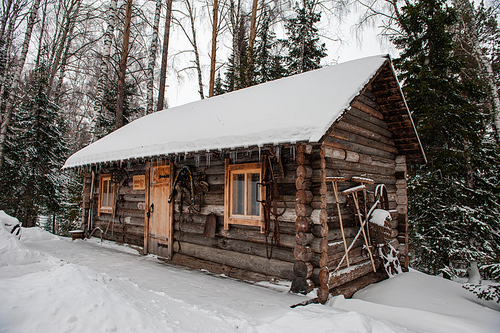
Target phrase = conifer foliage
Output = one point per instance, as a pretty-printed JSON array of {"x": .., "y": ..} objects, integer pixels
[
  {"x": 304, "y": 48},
  {"x": 454, "y": 199},
  {"x": 36, "y": 150}
]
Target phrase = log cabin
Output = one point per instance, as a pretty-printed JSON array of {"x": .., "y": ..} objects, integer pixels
[{"x": 282, "y": 180}]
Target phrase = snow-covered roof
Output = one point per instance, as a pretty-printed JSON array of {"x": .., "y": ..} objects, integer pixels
[{"x": 296, "y": 108}]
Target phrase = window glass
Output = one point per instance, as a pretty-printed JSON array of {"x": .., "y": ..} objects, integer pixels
[
  {"x": 105, "y": 193},
  {"x": 253, "y": 193},
  {"x": 238, "y": 194}
]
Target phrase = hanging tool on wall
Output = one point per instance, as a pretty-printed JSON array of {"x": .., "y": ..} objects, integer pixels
[
  {"x": 183, "y": 175},
  {"x": 270, "y": 202}
]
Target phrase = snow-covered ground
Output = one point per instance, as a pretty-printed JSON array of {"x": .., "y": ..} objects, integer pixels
[{"x": 51, "y": 284}]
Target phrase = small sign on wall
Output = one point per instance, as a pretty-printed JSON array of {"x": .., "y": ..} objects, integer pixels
[{"x": 139, "y": 182}]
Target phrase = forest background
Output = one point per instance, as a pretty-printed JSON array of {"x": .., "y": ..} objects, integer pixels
[{"x": 72, "y": 71}]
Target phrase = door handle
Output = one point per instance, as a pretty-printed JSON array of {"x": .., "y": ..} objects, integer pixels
[{"x": 150, "y": 210}]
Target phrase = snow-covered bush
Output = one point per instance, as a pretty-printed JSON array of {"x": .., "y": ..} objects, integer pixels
[{"x": 489, "y": 292}]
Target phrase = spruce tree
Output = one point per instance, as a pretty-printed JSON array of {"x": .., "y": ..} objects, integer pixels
[
  {"x": 105, "y": 123},
  {"x": 304, "y": 48},
  {"x": 36, "y": 151},
  {"x": 268, "y": 61},
  {"x": 454, "y": 198}
]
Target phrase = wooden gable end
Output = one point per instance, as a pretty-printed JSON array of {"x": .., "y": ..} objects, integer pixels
[
  {"x": 378, "y": 118},
  {"x": 396, "y": 114}
]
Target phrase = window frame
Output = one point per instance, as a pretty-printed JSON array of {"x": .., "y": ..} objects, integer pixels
[
  {"x": 238, "y": 219},
  {"x": 111, "y": 189}
]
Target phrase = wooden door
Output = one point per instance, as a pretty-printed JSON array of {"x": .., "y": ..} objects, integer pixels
[{"x": 160, "y": 229}]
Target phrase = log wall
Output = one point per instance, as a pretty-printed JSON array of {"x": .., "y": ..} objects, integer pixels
[
  {"x": 244, "y": 249},
  {"x": 127, "y": 226},
  {"x": 361, "y": 145}
]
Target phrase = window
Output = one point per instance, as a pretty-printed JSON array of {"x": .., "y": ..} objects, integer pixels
[
  {"x": 106, "y": 194},
  {"x": 242, "y": 194}
]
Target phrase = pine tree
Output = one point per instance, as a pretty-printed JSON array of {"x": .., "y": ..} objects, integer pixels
[
  {"x": 304, "y": 48},
  {"x": 36, "y": 151},
  {"x": 454, "y": 199}
]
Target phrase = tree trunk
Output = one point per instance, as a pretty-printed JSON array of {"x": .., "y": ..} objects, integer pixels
[
  {"x": 152, "y": 57},
  {"x": 163, "y": 72},
  {"x": 64, "y": 59},
  {"x": 195, "y": 48},
  {"x": 17, "y": 77},
  {"x": 104, "y": 67},
  {"x": 123, "y": 67},
  {"x": 215, "y": 24},
  {"x": 251, "y": 42},
  {"x": 69, "y": 18},
  {"x": 5, "y": 45},
  {"x": 485, "y": 66}
]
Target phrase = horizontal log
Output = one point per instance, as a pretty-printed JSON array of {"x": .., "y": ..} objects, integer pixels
[
  {"x": 254, "y": 235},
  {"x": 349, "y": 274},
  {"x": 303, "y": 210},
  {"x": 352, "y": 146},
  {"x": 320, "y": 276},
  {"x": 302, "y": 269},
  {"x": 350, "y": 288},
  {"x": 248, "y": 262},
  {"x": 304, "y": 148},
  {"x": 355, "y": 258},
  {"x": 355, "y": 118},
  {"x": 302, "y": 253},
  {"x": 300, "y": 285},
  {"x": 303, "y": 159},
  {"x": 319, "y": 260},
  {"x": 319, "y": 245},
  {"x": 302, "y": 224},
  {"x": 304, "y": 238},
  {"x": 320, "y": 230},
  {"x": 338, "y": 246},
  {"x": 360, "y": 103},
  {"x": 336, "y": 234},
  {"x": 216, "y": 268},
  {"x": 304, "y": 171},
  {"x": 236, "y": 245},
  {"x": 304, "y": 197},
  {"x": 302, "y": 184}
]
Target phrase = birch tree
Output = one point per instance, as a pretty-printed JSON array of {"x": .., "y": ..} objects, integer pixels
[
  {"x": 190, "y": 15},
  {"x": 164, "y": 58},
  {"x": 104, "y": 66},
  {"x": 152, "y": 58},
  {"x": 17, "y": 77},
  {"x": 213, "y": 56},
  {"x": 123, "y": 67}
]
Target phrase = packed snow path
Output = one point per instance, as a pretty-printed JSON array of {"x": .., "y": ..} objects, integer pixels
[{"x": 51, "y": 284}]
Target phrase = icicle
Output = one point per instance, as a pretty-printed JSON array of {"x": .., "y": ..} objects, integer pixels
[
  {"x": 197, "y": 160},
  {"x": 259, "y": 153},
  {"x": 208, "y": 157},
  {"x": 278, "y": 152}
]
